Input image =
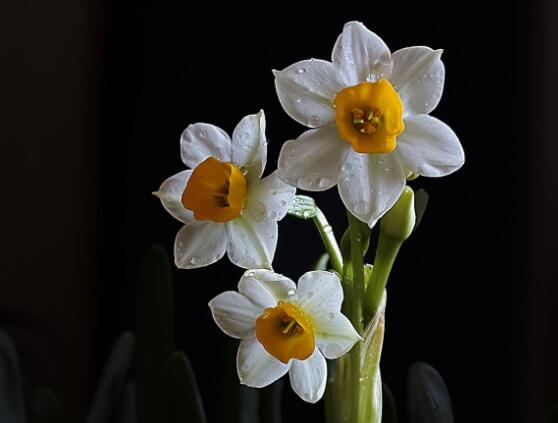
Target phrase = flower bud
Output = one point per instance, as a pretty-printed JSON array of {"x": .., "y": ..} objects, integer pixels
[{"x": 399, "y": 221}]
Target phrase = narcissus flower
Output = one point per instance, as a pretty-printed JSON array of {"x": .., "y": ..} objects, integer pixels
[
  {"x": 222, "y": 201},
  {"x": 370, "y": 113},
  {"x": 285, "y": 329}
]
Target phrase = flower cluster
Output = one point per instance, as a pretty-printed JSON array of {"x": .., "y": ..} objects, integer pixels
[{"x": 368, "y": 111}]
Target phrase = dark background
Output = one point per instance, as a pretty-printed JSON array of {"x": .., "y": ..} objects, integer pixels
[{"x": 96, "y": 96}]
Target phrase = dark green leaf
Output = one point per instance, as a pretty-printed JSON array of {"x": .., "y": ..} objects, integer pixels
[
  {"x": 389, "y": 411},
  {"x": 236, "y": 403},
  {"x": 154, "y": 327},
  {"x": 113, "y": 379},
  {"x": 11, "y": 394},
  {"x": 428, "y": 400},
  {"x": 45, "y": 407},
  {"x": 183, "y": 403},
  {"x": 126, "y": 411},
  {"x": 421, "y": 201},
  {"x": 553, "y": 415},
  {"x": 270, "y": 402}
]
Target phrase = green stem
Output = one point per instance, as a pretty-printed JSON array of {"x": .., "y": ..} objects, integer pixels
[
  {"x": 386, "y": 253},
  {"x": 357, "y": 267},
  {"x": 356, "y": 297},
  {"x": 330, "y": 243}
]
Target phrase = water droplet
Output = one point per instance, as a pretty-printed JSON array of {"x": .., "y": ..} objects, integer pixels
[
  {"x": 386, "y": 169},
  {"x": 272, "y": 214},
  {"x": 380, "y": 162},
  {"x": 314, "y": 120},
  {"x": 244, "y": 171},
  {"x": 274, "y": 192},
  {"x": 283, "y": 203},
  {"x": 427, "y": 104},
  {"x": 250, "y": 274},
  {"x": 306, "y": 214},
  {"x": 291, "y": 292},
  {"x": 194, "y": 260},
  {"x": 331, "y": 316},
  {"x": 300, "y": 71},
  {"x": 201, "y": 134},
  {"x": 358, "y": 238},
  {"x": 309, "y": 295}
]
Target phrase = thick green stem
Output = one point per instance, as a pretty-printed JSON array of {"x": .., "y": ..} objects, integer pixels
[
  {"x": 386, "y": 253},
  {"x": 330, "y": 243}
]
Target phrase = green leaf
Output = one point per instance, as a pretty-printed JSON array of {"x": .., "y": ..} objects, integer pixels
[
  {"x": 183, "y": 403},
  {"x": 11, "y": 398},
  {"x": 113, "y": 379},
  {"x": 154, "y": 327},
  {"x": 428, "y": 400},
  {"x": 45, "y": 407},
  {"x": 421, "y": 201}
]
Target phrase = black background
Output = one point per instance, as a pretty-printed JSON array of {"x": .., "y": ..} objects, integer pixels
[{"x": 97, "y": 111}]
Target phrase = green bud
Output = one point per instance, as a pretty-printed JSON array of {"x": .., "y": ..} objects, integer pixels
[{"x": 399, "y": 221}]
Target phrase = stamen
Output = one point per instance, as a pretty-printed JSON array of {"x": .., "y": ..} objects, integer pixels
[
  {"x": 288, "y": 328},
  {"x": 366, "y": 121}
]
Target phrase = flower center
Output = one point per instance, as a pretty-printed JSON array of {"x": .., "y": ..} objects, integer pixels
[
  {"x": 286, "y": 332},
  {"x": 369, "y": 116},
  {"x": 215, "y": 191}
]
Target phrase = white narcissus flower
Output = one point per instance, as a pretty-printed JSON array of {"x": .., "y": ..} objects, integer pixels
[
  {"x": 370, "y": 113},
  {"x": 222, "y": 201},
  {"x": 285, "y": 329}
]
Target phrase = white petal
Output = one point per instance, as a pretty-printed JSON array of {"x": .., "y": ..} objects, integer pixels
[
  {"x": 308, "y": 377},
  {"x": 170, "y": 194},
  {"x": 313, "y": 161},
  {"x": 361, "y": 54},
  {"x": 418, "y": 75},
  {"x": 235, "y": 314},
  {"x": 320, "y": 290},
  {"x": 249, "y": 145},
  {"x": 429, "y": 147},
  {"x": 270, "y": 197},
  {"x": 200, "y": 141},
  {"x": 371, "y": 184},
  {"x": 255, "y": 366},
  {"x": 266, "y": 288},
  {"x": 306, "y": 91},
  {"x": 335, "y": 335},
  {"x": 252, "y": 240},
  {"x": 199, "y": 244}
]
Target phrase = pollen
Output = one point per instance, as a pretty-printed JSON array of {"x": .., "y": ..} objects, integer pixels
[
  {"x": 286, "y": 332},
  {"x": 369, "y": 116},
  {"x": 216, "y": 191}
]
